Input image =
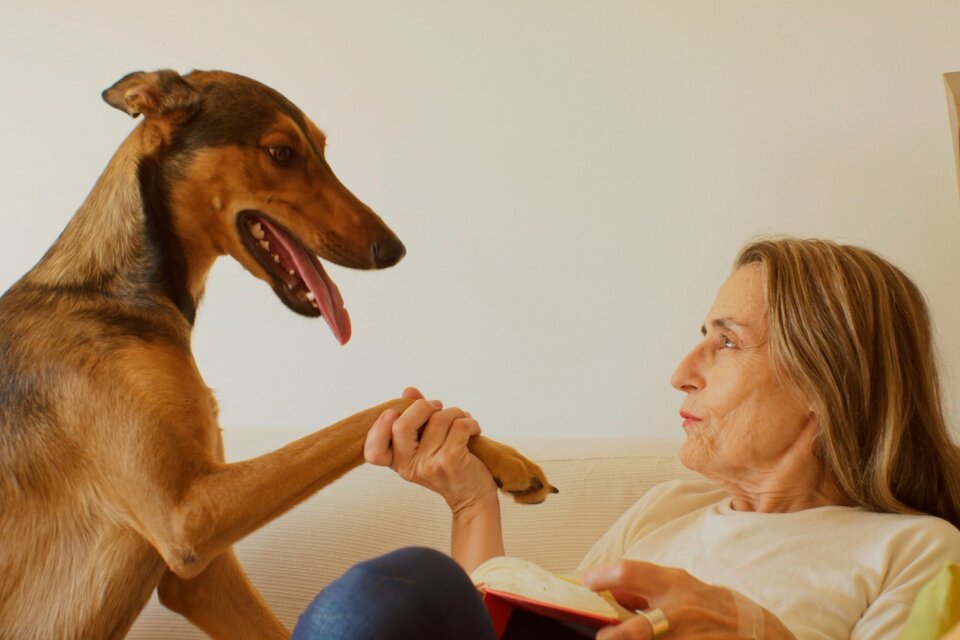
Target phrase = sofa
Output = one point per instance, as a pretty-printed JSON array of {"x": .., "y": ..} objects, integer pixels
[{"x": 371, "y": 511}]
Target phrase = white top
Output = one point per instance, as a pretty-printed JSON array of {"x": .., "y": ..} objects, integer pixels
[{"x": 829, "y": 572}]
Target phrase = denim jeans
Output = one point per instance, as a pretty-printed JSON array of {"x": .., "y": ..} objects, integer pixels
[{"x": 415, "y": 594}]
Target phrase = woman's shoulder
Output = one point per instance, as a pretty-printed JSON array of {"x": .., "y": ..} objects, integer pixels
[
  {"x": 910, "y": 546},
  {"x": 916, "y": 533},
  {"x": 905, "y": 526},
  {"x": 682, "y": 496},
  {"x": 663, "y": 505}
]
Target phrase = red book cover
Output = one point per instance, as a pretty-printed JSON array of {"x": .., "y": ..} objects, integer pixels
[{"x": 500, "y": 604}]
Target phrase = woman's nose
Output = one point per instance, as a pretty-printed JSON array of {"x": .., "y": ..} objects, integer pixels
[{"x": 687, "y": 376}]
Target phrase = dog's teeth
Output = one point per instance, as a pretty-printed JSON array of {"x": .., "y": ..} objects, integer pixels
[
  {"x": 314, "y": 305},
  {"x": 257, "y": 231},
  {"x": 265, "y": 245},
  {"x": 291, "y": 272},
  {"x": 309, "y": 296},
  {"x": 276, "y": 258}
]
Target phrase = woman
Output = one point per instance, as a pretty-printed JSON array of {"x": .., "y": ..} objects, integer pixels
[{"x": 831, "y": 490}]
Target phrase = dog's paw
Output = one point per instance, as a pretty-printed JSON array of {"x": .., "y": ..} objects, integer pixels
[{"x": 513, "y": 473}]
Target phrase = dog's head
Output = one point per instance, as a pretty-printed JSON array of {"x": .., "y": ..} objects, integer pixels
[{"x": 241, "y": 170}]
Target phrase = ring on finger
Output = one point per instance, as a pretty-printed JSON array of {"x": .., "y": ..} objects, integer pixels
[{"x": 658, "y": 620}]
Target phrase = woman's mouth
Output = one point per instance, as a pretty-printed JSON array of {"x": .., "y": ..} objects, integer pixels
[{"x": 689, "y": 419}]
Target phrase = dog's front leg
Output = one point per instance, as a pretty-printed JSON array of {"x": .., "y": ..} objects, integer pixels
[
  {"x": 222, "y": 602},
  {"x": 208, "y": 505},
  {"x": 194, "y": 508}
]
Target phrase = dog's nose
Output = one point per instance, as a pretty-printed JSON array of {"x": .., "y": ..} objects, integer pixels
[{"x": 387, "y": 251}]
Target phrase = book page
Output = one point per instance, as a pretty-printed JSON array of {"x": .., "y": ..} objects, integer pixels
[{"x": 524, "y": 578}]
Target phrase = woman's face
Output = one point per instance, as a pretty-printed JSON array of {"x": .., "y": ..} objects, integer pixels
[{"x": 740, "y": 421}]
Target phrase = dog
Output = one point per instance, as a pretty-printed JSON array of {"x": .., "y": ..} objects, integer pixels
[{"x": 113, "y": 481}]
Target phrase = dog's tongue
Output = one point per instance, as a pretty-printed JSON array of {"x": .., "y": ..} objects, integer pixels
[
  {"x": 327, "y": 294},
  {"x": 328, "y": 297}
]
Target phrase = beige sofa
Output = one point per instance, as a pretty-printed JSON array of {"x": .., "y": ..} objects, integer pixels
[{"x": 372, "y": 511}]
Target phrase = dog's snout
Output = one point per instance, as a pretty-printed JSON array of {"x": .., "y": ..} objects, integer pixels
[{"x": 387, "y": 251}]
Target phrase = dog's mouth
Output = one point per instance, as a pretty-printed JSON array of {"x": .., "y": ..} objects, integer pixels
[{"x": 299, "y": 279}]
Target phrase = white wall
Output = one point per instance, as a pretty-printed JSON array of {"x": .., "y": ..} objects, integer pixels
[{"x": 572, "y": 180}]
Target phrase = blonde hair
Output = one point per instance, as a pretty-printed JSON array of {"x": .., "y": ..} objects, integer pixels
[{"x": 853, "y": 332}]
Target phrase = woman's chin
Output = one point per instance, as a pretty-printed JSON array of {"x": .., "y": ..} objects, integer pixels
[{"x": 693, "y": 453}]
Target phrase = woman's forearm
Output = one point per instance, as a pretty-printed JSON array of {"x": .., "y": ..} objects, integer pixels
[{"x": 476, "y": 533}]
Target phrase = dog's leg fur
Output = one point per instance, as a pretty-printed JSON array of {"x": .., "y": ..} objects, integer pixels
[
  {"x": 211, "y": 508},
  {"x": 222, "y": 602},
  {"x": 214, "y": 507}
]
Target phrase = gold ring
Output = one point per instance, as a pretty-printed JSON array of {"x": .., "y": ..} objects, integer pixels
[{"x": 658, "y": 620}]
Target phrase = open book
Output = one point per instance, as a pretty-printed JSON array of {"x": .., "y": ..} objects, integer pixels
[{"x": 507, "y": 582}]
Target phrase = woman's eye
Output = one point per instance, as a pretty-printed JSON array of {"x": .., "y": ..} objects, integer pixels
[
  {"x": 283, "y": 155},
  {"x": 727, "y": 342}
]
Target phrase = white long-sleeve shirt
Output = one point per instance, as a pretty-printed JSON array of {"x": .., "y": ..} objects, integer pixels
[{"x": 829, "y": 572}]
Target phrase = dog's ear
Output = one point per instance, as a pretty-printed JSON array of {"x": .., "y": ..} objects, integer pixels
[{"x": 154, "y": 94}]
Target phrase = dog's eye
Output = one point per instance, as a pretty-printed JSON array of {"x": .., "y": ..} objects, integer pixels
[{"x": 283, "y": 155}]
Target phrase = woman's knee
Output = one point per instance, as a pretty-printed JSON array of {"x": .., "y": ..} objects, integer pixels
[
  {"x": 414, "y": 563},
  {"x": 409, "y": 591}
]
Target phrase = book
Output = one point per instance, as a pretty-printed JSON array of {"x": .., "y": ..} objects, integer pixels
[{"x": 507, "y": 583}]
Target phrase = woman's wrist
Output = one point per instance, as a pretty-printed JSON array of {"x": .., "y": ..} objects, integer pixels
[
  {"x": 476, "y": 533},
  {"x": 472, "y": 506}
]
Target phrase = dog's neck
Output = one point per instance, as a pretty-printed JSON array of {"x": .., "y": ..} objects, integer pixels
[{"x": 121, "y": 241}]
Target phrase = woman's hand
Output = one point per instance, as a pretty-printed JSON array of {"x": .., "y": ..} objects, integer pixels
[
  {"x": 694, "y": 609},
  {"x": 427, "y": 445}
]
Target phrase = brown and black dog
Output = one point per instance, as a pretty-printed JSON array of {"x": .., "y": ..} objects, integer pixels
[{"x": 112, "y": 476}]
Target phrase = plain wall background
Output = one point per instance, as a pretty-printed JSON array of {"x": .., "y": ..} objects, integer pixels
[{"x": 572, "y": 181}]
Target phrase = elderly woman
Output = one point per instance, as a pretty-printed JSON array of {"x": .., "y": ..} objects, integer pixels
[{"x": 831, "y": 489}]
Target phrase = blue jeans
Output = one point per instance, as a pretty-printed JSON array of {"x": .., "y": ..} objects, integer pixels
[
  {"x": 411, "y": 593},
  {"x": 415, "y": 594}
]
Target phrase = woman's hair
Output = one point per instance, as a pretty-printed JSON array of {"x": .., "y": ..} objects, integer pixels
[{"x": 853, "y": 332}]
